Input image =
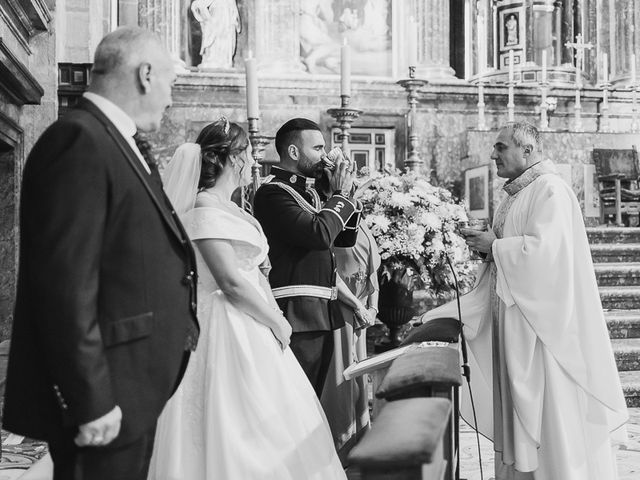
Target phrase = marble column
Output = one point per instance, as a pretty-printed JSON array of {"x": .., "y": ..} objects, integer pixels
[
  {"x": 624, "y": 39},
  {"x": 274, "y": 35},
  {"x": 568, "y": 34},
  {"x": 164, "y": 17},
  {"x": 529, "y": 52},
  {"x": 127, "y": 12},
  {"x": 433, "y": 41},
  {"x": 483, "y": 39},
  {"x": 492, "y": 33},
  {"x": 543, "y": 31},
  {"x": 603, "y": 26}
]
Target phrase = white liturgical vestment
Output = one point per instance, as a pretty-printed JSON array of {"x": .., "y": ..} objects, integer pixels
[{"x": 543, "y": 374}]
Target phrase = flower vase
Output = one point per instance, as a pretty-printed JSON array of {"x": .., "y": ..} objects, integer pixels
[{"x": 395, "y": 303}]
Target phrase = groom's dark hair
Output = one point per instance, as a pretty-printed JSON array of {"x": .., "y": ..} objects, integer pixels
[{"x": 290, "y": 131}]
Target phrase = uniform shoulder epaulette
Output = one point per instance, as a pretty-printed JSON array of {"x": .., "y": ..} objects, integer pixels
[{"x": 300, "y": 200}]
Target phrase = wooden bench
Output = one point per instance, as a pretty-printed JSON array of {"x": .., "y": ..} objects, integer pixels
[
  {"x": 432, "y": 371},
  {"x": 405, "y": 441}
]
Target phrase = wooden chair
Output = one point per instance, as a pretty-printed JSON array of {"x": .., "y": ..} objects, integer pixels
[
  {"x": 446, "y": 329},
  {"x": 618, "y": 172}
]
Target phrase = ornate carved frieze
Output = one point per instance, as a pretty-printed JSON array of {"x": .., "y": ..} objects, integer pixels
[
  {"x": 16, "y": 80},
  {"x": 25, "y": 18},
  {"x": 433, "y": 35},
  {"x": 163, "y": 17},
  {"x": 10, "y": 133}
]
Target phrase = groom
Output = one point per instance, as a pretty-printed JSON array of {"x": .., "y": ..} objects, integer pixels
[
  {"x": 301, "y": 234},
  {"x": 105, "y": 309}
]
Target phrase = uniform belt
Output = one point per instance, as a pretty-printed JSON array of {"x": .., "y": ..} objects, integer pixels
[{"x": 330, "y": 293}]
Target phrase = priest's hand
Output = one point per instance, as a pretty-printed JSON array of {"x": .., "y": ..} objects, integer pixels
[{"x": 478, "y": 240}]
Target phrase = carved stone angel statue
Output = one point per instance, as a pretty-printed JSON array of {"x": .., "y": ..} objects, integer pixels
[{"x": 220, "y": 24}]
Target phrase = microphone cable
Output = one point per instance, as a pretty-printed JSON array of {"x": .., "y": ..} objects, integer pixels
[{"x": 466, "y": 370}]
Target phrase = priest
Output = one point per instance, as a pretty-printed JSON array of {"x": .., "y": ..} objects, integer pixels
[{"x": 543, "y": 375}]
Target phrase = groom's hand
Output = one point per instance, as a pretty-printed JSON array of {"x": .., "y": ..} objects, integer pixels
[{"x": 101, "y": 431}]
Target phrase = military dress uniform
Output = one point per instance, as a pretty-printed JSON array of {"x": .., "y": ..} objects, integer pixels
[{"x": 301, "y": 233}]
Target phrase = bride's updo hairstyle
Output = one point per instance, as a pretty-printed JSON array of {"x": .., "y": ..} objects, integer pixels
[{"x": 219, "y": 141}]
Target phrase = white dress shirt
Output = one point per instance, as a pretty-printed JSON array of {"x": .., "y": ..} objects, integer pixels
[{"x": 123, "y": 122}]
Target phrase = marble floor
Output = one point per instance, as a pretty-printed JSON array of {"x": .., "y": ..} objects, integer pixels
[
  {"x": 18, "y": 458},
  {"x": 628, "y": 459}
]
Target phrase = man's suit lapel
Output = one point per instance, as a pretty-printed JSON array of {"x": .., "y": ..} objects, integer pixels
[{"x": 139, "y": 170}]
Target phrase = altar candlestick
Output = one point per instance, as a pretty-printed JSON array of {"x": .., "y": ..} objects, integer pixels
[
  {"x": 633, "y": 69},
  {"x": 412, "y": 47},
  {"x": 544, "y": 67},
  {"x": 345, "y": 69},
  {"x": 511, "y": 66},
  {"x": 253, "y": 108},
  {"x": 605, "y": 68}
]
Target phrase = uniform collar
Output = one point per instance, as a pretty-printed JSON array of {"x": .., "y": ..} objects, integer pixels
[{"x": 294, "y": 179}]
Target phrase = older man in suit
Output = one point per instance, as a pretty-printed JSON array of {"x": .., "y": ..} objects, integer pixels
[{"x": 105, "y": 309}]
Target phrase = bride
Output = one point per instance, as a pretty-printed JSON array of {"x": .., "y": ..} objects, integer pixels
[{"x": 245, "y": 409}]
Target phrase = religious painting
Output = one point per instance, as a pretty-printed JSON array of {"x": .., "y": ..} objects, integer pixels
[
  {"x": 591, "y": 192},
  {"x": 364, "y": 24},
  {"x": 476, "y": 191},
  {"x": 512, "y": 28}
]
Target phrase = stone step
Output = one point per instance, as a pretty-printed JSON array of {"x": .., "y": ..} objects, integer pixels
[
  {"x": 620, "y": 298},
  {"x": 623, "y": 323},
  {"x": 627, "y": 353},
  {"x": 613, "y": 235},
  {"x": 617, "y": 273},
  {"x": 631, "y": 387},
  {"x": 623, "y": 252}
]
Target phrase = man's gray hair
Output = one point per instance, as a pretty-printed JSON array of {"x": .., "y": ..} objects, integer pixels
[
  {"x": 524, "y": 133},
  {"x": 121, "y": 48}
]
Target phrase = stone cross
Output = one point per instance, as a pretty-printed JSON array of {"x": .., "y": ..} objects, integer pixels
[{"x": 579, "y": 47}]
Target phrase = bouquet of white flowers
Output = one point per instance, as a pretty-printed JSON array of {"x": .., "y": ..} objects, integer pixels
[{"x": 414, "y": 224}]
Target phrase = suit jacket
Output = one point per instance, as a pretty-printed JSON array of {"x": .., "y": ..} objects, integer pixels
[
  {"x": 301, "y": 234},
  {"x": 106, "y": 286}
]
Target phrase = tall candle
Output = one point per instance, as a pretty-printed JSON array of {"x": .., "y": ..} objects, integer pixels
[
  {"x": 633, "y": 69},
  {"x": 605, "y": 68},
  {"x": 544, "y": 66},
  {"x": 412, "y": 43},
  {"x": 482, "y": 46},
  {"x": 511, "y": 65},
  {"x": 345, "y": 69},
  {"x": 250, "y": 66}
]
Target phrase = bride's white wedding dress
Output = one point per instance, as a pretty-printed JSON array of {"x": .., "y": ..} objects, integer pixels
[{"x": 245, "y": 409}]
